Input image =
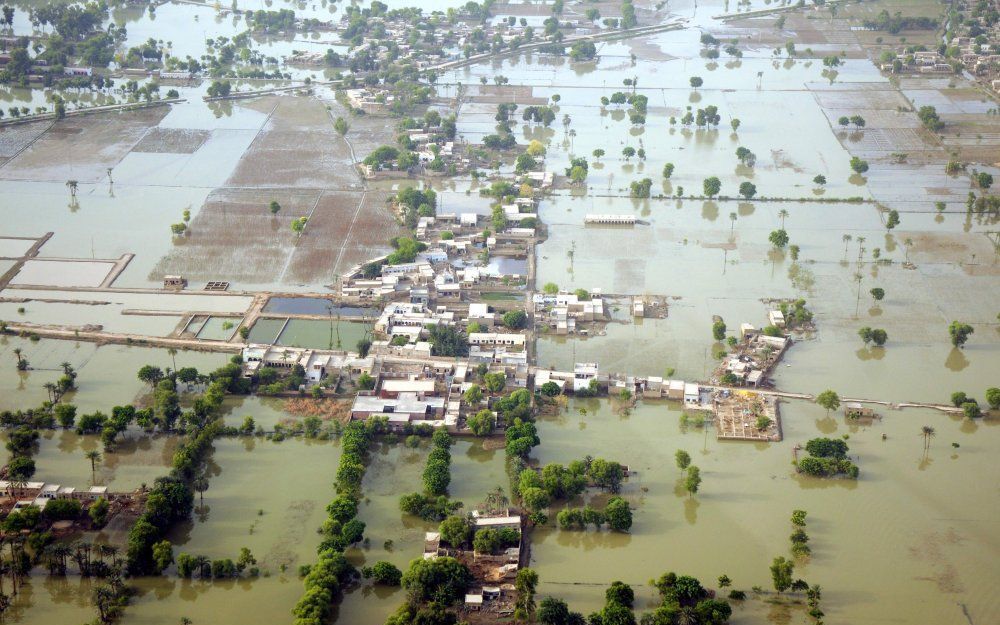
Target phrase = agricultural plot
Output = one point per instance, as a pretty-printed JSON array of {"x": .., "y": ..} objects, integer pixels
[{"x": 82, "y": 148}]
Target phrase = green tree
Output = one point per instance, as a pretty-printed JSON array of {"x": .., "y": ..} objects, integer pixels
[
  {"x": 473, "y": 395},
  {"x": 781, "y": 573},
  {"x": 971, "y": 410},
  {"x": 94, "y": 456},
  {"x": 618, "y": 514},
  {"x": 859, "y": 166},
  {"x": 525, "y": 584},
  {"x": 959, "y": 333},
  {"x": 65, "y": 415},
  {"x": 383, "y": 573},
  {"x": 993, "y": 397},
  {"x": 442, "y": 579},
  {"x": 515, "y": 319},
  {"x": 150, "y": 375},
  {"x": 879, "y": 337},
  {"x": 778, "y": 238},
  {"x": 828, "y": 399},
  {"x": 719, "y": 330},
  {"x": 693, "y": 480},
  {"x": 877, "y": 294},
  {"x": 98, "y": 512},
  {"x": 482, "y": 423},
  {"x": 553, "y": 611},
  {"x": 683, "y": 459},
  {"x": 696, "y": 81},
  {"x": 668, "y": 170},
  {"x": 455, "y": 531},
  {"x": 495, "y": 382},
  {"x": 711, "y": 186},
  {"x": 163, "y": 555},
  {"x": 274, "y": 207},
  {"x": 748, "y": 190}
]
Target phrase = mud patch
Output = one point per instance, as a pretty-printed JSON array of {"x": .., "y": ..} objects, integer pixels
[
  {"x": 234, "y": 236},
  {"x": 15, "y": 138},
  {"x": 172, "y": 141},
  {"x": 83, "y": 148},
  {"x": 297, "y": 148},
  {"x": 346, "y": 229}
]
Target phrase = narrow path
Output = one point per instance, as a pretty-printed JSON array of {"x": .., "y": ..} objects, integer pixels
[
  {"x": 295, "y": 246},
  {"x": 354, "y": 220}
]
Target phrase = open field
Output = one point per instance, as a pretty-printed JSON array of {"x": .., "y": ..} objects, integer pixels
[{"x": 82, "y": 148}]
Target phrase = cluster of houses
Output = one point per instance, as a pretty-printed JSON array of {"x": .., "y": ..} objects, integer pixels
[
  {"x": 980, "y": 60},
  {"x": 24, "y": 494},
  {"x": 493, "y": 574},
  {"x": 318, "y": 364},
  {"x": 561, "y": 313},
  {"x": 755, "y": 355}
]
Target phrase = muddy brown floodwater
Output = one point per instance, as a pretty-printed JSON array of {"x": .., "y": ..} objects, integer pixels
[{"x": 914, "y": 540}]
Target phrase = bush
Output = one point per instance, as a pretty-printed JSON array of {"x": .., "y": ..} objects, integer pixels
[
  {"x": 482, "y": 423},
  {"x": 62, "y": 509},
  {"x": 515, "y": 319},
  {"x": 384, "y": 573}
]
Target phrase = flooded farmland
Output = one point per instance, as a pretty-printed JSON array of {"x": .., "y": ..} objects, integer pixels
[{"x": 206, "y": 258}]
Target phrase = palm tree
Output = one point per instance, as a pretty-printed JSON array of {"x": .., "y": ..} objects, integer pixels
[
  {"x": 907, "y": 243},
  {"x": 173, "y": 353},
  {"x": 847, "y": 239},
  {"x": 104, "y": 600},
  {"x": 50, "y": 388},
  {"x": 497, "y": 501},
  {"x": 107, "y": 551},
  {"x": 782, "y": 213},
  {"x": 927, "y": 432},
  {"x": 20, "y": 360},
  {"x": 201, "y": 485},
  {"x": 732, "y": 220},
  {"x": 81, "y": 555},
  {"x": 71, "y": 185},
  {"x": 94, "y": 456}
]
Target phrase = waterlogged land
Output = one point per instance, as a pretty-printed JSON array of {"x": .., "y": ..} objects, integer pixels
[{"x": 913, "y": 540}]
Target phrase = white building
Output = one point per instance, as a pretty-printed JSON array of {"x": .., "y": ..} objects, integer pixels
[{"x": 583, "y": 373}]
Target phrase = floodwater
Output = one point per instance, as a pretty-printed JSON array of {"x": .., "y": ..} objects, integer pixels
[
  {"x": 911, "y": 520},
  {"x": 919, "y": 524},
  {"x": 107, "y": 373},
  {"x": 314, "y": 306},
  {"x": 322, "y": 334},
  {"x": 315, "y": 334}
]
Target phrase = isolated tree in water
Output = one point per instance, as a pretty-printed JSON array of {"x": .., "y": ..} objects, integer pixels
[{"x": 829, "y": 400}]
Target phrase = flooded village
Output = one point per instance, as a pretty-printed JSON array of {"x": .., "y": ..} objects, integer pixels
[{"x": 559, "y": 312}]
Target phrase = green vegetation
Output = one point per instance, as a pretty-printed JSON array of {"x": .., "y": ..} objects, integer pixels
[
  {"x": 827, "y": 458},
  {"x": 959, "y": 333}
]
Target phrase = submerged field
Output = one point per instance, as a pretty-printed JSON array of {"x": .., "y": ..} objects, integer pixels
[{"x": 913, "y": 540}]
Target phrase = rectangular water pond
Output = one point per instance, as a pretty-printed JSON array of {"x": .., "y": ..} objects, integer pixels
[{"x": 315, "y": 306}]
